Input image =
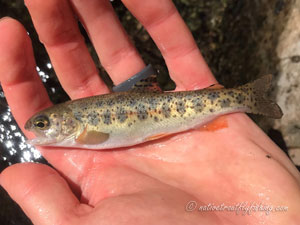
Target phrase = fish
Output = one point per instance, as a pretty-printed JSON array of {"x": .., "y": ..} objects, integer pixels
[{"x": 140, "y": 115}]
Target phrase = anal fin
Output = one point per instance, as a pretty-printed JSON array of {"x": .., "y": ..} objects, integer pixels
[
  {"x": 156, "y": 136},
  {"x": 215, "y": 86},
  {"x": 214, "y": 125}
]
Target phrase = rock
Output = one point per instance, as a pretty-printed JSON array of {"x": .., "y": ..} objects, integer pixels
[
  {"x": 288, "y": 84},
  {"x": 294, "y": 154}
]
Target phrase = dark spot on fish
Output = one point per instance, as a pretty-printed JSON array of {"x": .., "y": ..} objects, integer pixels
[
  {"x": 225, "y": 103},
  {"x": 110, "y": 102},
  {"x": 212, "y": 96},
  {"x": 132, "y": 102},
  {"x": 142, "y": 113},
  {"x": 268, "y": 156},
  {"x": 197, "y": 105},
  {"x": 180, "y": 107},
  {"x": 155, "y": 119},
  {"x": 152, "y": 102},
  {"x": 129, "y": 124},
  {"x": 166, "y": 110},
  {"x": 169, "y": 98},
  {"x": 78, "y": 115},
  {"x": 106, "y": 117},
  {"x": 240, "y": 98},
  {"x": 93, "y": 118},
  {"x": 231, "y": 93},
  {"x": 121, "y": 115},
  {"x": 211, "y": 110},
  {"x": 120, "y": 99},
  {"x": 188, "y": 97},
  {"x": 99, "y": 104}
]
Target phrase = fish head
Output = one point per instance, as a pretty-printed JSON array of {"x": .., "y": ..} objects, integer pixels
[{"x": 52, "y": 125}]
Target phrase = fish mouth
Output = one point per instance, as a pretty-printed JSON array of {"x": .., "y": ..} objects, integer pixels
[{"x": 40, "y": 137}]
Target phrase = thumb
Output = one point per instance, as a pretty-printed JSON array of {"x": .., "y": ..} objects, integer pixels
[{"x": 41, "y": 192}]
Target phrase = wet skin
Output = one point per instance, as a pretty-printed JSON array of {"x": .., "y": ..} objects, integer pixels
[{"x": 149, "y": 183}]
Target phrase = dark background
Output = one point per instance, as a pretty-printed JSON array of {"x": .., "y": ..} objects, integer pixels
[{"x": 236, "y": 37}]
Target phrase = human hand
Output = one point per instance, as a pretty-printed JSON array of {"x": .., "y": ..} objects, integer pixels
[{"x": 149, "y": 183}]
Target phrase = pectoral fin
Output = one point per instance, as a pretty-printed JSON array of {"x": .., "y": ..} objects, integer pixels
[{"x": 92, "y": 137}]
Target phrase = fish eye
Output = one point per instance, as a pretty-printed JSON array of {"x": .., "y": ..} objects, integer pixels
[{"x": 42, "y": 122}]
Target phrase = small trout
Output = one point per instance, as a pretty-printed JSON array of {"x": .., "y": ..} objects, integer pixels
[{"x": 133, "y": 117}]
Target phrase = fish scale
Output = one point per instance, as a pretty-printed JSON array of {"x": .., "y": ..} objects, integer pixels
[{"x": 129, "y": 118}]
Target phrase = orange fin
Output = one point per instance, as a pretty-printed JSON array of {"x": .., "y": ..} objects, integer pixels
[
  {"x": 92, "y": 137},
  {"x": 215, "y": 86},
  {"x": 156, "y": 136},
  {"x": 216, "y": 124}
]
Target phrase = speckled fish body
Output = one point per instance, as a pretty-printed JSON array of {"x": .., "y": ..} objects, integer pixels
[{"x": 129, "y": 118}]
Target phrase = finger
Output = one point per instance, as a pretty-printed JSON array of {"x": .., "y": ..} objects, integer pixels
[
  {"x": 116, "y": 52},
  {"x": 22, "y": 86},
  {"x": 41, "y": 192},
  {"x": 183, "y": 58},
  {"x": 58, "y": 30}
]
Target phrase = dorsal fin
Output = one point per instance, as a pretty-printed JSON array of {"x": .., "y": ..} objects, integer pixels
[
  {"x": 145, "y": 80},
  {"x": 148, "y": 84}
]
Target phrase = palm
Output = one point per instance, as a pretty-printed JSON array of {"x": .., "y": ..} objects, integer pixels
[
  {"x": 151, "y": 182},
  {"x": 161, "y": 173}
]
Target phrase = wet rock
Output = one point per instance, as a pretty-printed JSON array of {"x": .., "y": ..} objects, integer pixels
[
  {"x": 288, "y": 84},
  {"x": 294, "y": 154}
]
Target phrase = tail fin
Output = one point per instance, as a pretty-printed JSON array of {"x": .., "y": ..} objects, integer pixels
[{"x": 260, "y": 104}]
